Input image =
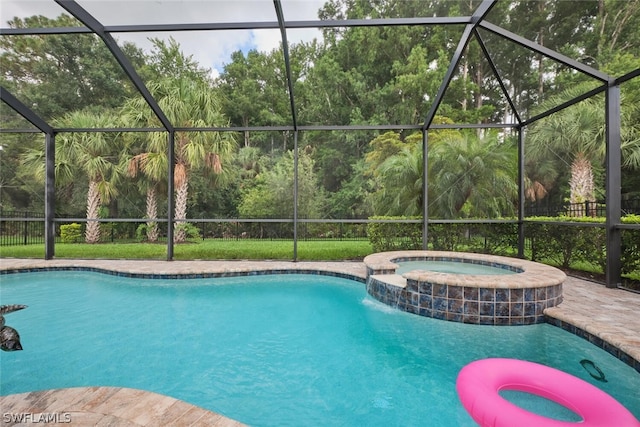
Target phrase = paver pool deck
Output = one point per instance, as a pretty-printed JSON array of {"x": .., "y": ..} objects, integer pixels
[{"x": 599, "y": 313}]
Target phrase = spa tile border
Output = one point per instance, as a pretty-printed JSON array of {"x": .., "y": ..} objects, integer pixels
[
  {"x": 512, "y": 299},
  {"x": 466, "y": 304}
]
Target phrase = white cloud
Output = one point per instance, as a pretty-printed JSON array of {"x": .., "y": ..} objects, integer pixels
[{"x": 212, "y": 49}]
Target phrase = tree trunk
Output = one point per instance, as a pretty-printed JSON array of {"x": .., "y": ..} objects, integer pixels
[
  {"x": 92, "y": 231},
  {"x": 465, "y": 78},
  {"x": 581, "y": 183},
  {"x": 182, "y": 191},
  {"x": 245, "y": 122},
  {"x": 152, "y": 213}
]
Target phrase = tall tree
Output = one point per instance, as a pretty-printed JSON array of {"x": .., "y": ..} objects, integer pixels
[
  {"x": 254, "y": 91},
  {"x": 93, "y": 155},
  {"x": 616, "y": 29},
  {"x": 58, "y": 74},
  {"x": 271, "y": 195},
  {"x": 190, "y": 103},
  {"x": 153, "y": 167},
  {"x": 185, "y": 94}
]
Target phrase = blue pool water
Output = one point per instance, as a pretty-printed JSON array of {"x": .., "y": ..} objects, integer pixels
[
  {"x": 269, "y": 350},
  {"x": 452, "y": 267}
]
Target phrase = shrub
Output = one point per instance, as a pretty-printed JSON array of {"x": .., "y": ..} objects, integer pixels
[
  {"x": 552, "y": 240},
  {"x": 388, "y": 236},
  {"x": 71, "y": 233},
  {"x": 141, "y": 232},
  {"x": 630, "y": 246},
  {"x": 191, "y": 231}
]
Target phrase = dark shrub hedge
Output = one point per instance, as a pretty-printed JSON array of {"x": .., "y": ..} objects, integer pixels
[{"x": 579, "y": 240}]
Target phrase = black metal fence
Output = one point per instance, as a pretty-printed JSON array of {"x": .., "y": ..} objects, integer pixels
[
  {"x": 27, "y": 227},
  {"x": 278, "y": 229},
  {"x": 21, "y": 228},
  {"x": 593, "y": 209}
]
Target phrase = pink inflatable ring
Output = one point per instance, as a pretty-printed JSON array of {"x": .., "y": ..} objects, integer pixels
[{"x": 479, "y": 382}]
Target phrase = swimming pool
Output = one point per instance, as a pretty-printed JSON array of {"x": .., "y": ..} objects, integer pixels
[{"x": 269, "y": 349}]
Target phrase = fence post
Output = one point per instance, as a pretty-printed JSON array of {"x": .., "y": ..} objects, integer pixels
[{"x": 25, "y": 232}]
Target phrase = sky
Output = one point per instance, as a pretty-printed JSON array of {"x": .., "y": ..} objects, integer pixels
[{"x": 211, "y": 49}]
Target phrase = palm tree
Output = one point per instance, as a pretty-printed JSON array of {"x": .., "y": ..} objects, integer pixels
[
  {"x": 576, "y": 136},
  {"x": 573, "y": 135},
  {"x": 187, "y": 103},
  {"x": 153, "y": 166},
  {"x": 473, "y": 177},
  {"x": 92, "y": 154},
  {"x": 467, "y": 176},
  {"x": 401, "y": 183}
]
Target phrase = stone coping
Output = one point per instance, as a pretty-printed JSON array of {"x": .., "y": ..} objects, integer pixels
[
  {"x": 105, "y": 406},
  {"x": 533, "y": 275}
]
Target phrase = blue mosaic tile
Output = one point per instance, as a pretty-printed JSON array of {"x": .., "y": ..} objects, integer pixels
[
  {"x": 487, "y": 294},
  {"x": 439, "y": 290},
  {"x": 529, "y": 294},
  {"x": 471, "y": 293},
  {"x": 185, "y": 275},
  {"x": 531, "y": 320},
  {"x": 455, "y": 292},
  {"x": 471, "y": 319},
  {"x": 425, "y": 288},
  {"x": 530, "y": 309},
  {"x": 487, "y": 320},
  {"x": 455, "y": 306},
  {"x": 487, "y": 309},
  {"x": 471, "y": 308},
  {"x": 415, "y": 298},
  {"x": 540, "y": 307},
  {"x": 502, "y": 295},
  {"x": 516, "y": 295},
  {"x": 516, "y": 309},
  {"x": 412, "y": 285},
  {"x": 439, "y": 315},
  {"x": 425, "y": 301},
  {"x": 502, "y": 309},
  {"x": 454, "y": 317},
  {"x": 426, "y": 312},
  {"x": 440, "y": 304}
]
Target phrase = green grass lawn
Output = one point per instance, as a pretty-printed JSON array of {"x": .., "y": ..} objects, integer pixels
[
  {"x": 214, "y": 249},
  {"x": 327, "y": 250}
]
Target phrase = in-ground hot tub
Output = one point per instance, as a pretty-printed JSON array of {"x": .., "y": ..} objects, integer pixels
[{"x": 517, "y": 294}]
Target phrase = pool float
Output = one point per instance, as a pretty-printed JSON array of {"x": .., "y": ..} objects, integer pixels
[{"x": 479, "y": 382}]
